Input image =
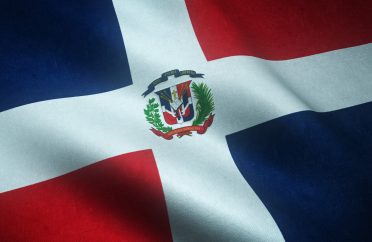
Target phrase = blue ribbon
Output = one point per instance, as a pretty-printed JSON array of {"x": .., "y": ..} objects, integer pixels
[{"x": 165, "y": 75}]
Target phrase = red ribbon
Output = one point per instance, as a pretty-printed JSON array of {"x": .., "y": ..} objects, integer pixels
[{"x": 185, "y": 130}]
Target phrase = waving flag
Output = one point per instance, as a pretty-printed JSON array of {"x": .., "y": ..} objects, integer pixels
[{"x": 213, "y": 120}]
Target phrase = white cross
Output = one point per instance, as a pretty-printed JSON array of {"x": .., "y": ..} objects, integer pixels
[{"x": 207, "y": 198}]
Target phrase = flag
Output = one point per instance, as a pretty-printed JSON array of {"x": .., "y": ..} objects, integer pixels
[{"x": 214, "y": 120}]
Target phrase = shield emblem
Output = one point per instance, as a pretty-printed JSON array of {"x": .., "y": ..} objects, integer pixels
[{"x": 176, "y": 103}]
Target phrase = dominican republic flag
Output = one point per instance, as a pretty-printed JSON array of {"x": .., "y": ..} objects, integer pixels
[{"x": 185, "y": 120}]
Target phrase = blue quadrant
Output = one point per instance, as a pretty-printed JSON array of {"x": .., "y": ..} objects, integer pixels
[
  {"x": 54, "y": 49},
  {"x": 312, "y": 171}
]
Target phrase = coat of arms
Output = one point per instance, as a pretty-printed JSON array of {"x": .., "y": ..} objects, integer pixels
[{"x": 179, "y": 109}]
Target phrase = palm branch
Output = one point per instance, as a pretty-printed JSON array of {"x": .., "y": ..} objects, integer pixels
[{"x": 205, "y": 103}]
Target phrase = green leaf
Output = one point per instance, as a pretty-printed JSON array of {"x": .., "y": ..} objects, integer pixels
[
  {"x": 153, "y": 116},
  {"x": 205, "y": 103},
  {"x": 166, "y": 129}
]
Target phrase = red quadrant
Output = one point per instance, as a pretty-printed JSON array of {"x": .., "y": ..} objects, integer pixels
[
  {"x": 279, "y": 29},
  {"x": 117, "y": 199}
]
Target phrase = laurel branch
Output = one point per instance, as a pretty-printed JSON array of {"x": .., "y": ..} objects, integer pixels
[
  {"x": 153, "y": 117},
  {"x": 205, "y": 104}
]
